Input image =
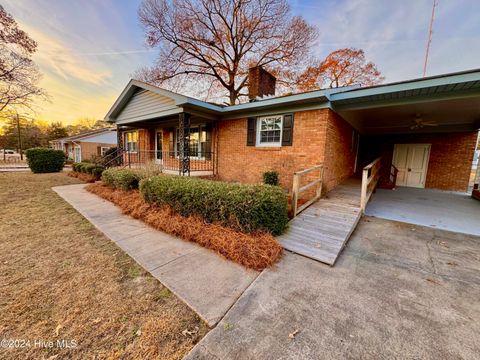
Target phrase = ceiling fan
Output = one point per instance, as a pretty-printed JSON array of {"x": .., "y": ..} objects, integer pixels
[{"x": 419, "y": 123}]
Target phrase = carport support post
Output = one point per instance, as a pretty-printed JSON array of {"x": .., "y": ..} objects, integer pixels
[{"x": 184, "y": 143}]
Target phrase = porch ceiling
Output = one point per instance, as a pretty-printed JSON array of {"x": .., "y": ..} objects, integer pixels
[{"x": 449, "y": 115}]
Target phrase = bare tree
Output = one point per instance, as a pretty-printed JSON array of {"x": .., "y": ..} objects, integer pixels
[
  {"x": 18, "y": 74},
  {"x": 342, "y": 67},
  {"x": 218, "y": 40}
]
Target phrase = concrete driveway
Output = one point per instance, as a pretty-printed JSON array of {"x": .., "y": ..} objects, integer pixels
[{"x": 398, "y": 291}]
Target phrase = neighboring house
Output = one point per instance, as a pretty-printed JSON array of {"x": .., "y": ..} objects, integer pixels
[
  {"x": 83, "y": 146},
  {"x": 426, "y": 127}
]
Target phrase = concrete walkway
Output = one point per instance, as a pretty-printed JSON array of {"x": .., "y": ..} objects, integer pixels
[
  {"x": 209, "y": 284},
  {"x": 398, "y": 291}
]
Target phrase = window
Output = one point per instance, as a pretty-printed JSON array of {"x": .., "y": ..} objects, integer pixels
[
  {"x": 199, "y": 142},
  {"x": 269, "y": 130},
  {"x": 103, "y": 150},
  {"x": 131, "y": 141}
]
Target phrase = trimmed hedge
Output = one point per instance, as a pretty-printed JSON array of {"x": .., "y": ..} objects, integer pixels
[
  {"x": 88, "y": 168},
  {"x": 271, "y": 178},
  {"x": 42, "y": 160},
  {"x": 122, "y": 179},
  {"x": 242, "y": 207}
]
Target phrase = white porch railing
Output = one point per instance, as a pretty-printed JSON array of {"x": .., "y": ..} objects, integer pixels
[
  {"x": 296, "y": 189},
  {"x": 370, "y": 177}
]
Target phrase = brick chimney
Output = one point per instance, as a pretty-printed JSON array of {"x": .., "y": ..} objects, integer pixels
[{"x": 260, "y": 83}]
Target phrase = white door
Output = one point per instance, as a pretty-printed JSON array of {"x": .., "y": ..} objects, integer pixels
[
  {"x": 77, "y": 155},
  {"x": 411, "y": 160},
  {"x": 159, "y": 146}
]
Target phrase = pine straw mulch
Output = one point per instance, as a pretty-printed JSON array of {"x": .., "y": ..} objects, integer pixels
[
  {"x": 61, "y": 279},
  {"x": 257, "y": 250},
  {"x": 83, "y": 177}
]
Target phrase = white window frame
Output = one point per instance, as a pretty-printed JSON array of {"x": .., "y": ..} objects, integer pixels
[
  {"x": 199, "y": 151},
  {"x": 103, "y": 150},
  {"x": 258, "y": 142},
  {"x": 125, "y": 135},
  {"x": 75, "y": 157}
]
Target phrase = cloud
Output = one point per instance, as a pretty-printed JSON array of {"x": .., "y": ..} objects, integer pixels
[
  {"x": 393, "y": 34},
  {"x": 56, "y": 58}
]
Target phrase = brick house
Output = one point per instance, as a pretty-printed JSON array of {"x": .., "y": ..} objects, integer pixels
[
  {"x": 86, "y": 145},
  {"x": 426, "y": 128}
]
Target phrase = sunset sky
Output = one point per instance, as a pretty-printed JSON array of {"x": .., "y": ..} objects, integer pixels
[{"x": 89, "y": 48}]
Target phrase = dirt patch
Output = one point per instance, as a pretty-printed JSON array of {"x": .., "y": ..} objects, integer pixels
[
  {"x": 256, "y": 250},
  {"x": 62, "y": 280}
]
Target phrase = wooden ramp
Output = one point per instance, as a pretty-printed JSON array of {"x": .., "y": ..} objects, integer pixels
[{"x": 322, "y": 230}]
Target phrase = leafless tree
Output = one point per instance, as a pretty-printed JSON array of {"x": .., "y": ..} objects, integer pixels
[
  {"x": 218, "y": 40},
  {"x": 19, "y": 75}
]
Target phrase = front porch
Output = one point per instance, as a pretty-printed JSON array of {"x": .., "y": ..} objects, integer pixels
[{"x": 183, "y": 145}]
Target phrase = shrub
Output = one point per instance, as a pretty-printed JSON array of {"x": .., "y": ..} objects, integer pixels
[
  {"x": 243, "y": 207},
  {"x": 271, "y": 178},
  {"x": 42, "y": 160},
  {"x": 122, "y": 179},
  {"x": 88, "y": 168}
]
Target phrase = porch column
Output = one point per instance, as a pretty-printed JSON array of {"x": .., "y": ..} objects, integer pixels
[
  {"x": 184, "y": 144},
  {"x": 119, "y": 139},
  {"x": 119, "y": 146}
]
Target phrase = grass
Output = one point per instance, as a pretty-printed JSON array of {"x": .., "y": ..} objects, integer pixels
[
  {"x": 257, "y": 250},
  {"x": 61, "y": 279}
]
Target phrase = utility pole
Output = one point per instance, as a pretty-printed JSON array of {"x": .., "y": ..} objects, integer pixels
[
  {"x": 19, "y": 137},
  {"x": 429, "y": 38}
]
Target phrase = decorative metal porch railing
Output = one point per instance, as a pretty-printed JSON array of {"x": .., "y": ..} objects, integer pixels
[{"x": 170, "y": 161}]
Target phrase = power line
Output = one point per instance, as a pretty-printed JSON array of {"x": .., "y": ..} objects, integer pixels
[{"x": 429, "y": 39}]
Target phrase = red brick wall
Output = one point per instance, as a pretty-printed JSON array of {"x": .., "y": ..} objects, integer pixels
[
  {"x": 451, "y": 156},
  {"x": 239, "y": 162},
  {"x": 339, "y": 153},
  {"x": 450, "y": 162},
  {"x": 311, "y": 146},
  {"x": 319, "y": 136}
]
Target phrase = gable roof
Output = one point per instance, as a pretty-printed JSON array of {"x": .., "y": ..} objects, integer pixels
[
  {"x": 84, "y": 135},
  {"x": 460, "y": 83}
]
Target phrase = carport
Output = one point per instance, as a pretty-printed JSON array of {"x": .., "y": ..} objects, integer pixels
[
  {"x": 425, "y": 132},
  {"x": 445, "y": 210}
]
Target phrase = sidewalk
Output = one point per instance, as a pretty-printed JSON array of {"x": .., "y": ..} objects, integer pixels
[{"x": 205, "y": 281}]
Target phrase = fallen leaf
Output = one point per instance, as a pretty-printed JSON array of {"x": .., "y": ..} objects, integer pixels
[
  {"x": 57, "y": 329},
  {"x": 188, "y": 332},
  {"x": 293, "y": 334},
  {"x": 443, "y": 243}
]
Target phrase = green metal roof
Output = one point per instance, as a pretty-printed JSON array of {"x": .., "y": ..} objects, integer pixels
[{"x": 455, "y": 85}]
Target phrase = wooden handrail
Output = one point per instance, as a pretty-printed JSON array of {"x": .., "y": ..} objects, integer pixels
[
  {"x": 370, "y": 177},
  {"x": 296, "y": 189}
]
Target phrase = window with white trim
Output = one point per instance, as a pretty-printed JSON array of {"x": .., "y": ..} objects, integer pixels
[
  {"x": 269, "y": 130},
  {"x": 199, "y": 143},
  {"x": 103, "y": 150},
  {"x": 131, "y": 141}
]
